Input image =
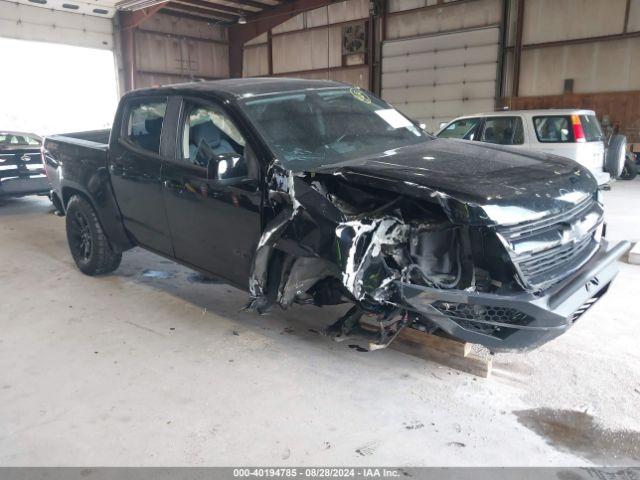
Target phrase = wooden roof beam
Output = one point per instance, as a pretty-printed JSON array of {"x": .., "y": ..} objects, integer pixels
[
  {"x": 205, "y": 12},
  {"x": 216, "y": 6}
]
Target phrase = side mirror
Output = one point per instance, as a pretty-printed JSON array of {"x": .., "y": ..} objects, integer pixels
[{"x": 225, "y": 166}]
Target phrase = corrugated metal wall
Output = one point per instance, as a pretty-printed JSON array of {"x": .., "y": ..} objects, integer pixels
[
  {"x": 309, "y": 45},
  {"x": 595, "y": 66},
  {"x": 173, "y": 49}
]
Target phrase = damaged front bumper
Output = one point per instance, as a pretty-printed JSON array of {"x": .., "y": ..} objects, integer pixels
[{"x": 519, "y": 321}]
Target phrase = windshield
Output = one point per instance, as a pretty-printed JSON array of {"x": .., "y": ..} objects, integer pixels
[{"x": 314, "y": 128}]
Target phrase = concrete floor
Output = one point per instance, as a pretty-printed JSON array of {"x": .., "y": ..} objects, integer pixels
[{"x": 135, "y": 369}]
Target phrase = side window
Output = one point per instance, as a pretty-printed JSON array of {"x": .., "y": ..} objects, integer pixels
[
  {"x": 503, "y": 131},
  {"x": 209, "y": 134},
  {"x": 464, "y": 129},
  {"x": 553, "y": 129},
  {"x": 144, "y": 124}
]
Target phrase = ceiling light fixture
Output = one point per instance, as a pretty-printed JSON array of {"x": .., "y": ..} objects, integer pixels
[{"x": 242, "y": 20}]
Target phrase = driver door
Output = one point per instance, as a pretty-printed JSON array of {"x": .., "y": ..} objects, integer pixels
[{"x": 212, "y": 195}]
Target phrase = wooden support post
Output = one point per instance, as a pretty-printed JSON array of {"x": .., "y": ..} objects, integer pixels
[
  {"x": 517, "y": 54},
  {"x": 236, "y": 52},
  {"x": 627, "y": 9},
  {"x": 127, "y": 40},
  {"x": 270, "y": 51}
]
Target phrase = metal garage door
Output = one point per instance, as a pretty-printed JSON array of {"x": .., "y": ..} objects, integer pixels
[
  {"x": 84, "y": 24},
  {"x": 438, "y": 77}
]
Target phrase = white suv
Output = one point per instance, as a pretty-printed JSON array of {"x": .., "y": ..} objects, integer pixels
[{"x": 575, "y": 134}]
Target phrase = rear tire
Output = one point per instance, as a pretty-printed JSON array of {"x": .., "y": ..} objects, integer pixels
[
  {"x": 630, "y": 170},
  {"x": 88, "y": 244},
  {"x": 615, "y": 156}
]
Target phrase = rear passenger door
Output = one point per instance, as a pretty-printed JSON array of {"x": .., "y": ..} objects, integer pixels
[{"x": 135, "y": 167}]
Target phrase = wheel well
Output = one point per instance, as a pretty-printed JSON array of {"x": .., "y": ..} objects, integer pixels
[{"x": 69, "y": 192}]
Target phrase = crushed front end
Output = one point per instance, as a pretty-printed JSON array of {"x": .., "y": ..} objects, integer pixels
[{"x": 419, "y": 258}]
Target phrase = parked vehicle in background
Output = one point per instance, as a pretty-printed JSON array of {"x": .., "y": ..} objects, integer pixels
[
  {"x": 631, "y": 166},
  {"x": 574, "y": 134},
  {"x": 316, "y": 192},
  {"x": 21, "y": 171}
]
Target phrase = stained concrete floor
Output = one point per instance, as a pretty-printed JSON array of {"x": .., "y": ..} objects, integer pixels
[{"x": 147, "y": 368}]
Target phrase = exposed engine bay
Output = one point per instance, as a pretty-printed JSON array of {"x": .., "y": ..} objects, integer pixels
[{"x": 332, "y": 241}]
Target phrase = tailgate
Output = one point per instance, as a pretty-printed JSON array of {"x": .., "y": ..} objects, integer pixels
[{"x": 20, "y": 163}]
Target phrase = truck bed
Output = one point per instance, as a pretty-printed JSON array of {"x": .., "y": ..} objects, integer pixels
[
  {"x": 79, "y": 154},
  {"x": 90, "y": 148},
  {"x": 92, "y": 136}
]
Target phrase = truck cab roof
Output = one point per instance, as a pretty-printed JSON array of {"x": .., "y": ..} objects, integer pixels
[{"x": 240, "y": 87}]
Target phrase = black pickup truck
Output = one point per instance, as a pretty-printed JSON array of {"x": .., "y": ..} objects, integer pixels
[{"x": 316, "y": 192}]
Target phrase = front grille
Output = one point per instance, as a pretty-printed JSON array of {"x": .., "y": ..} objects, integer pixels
[
  {"x": 548, "y": 250},
  {"x": 540, "y": 263},
  {"x": 543, "y": 224}
]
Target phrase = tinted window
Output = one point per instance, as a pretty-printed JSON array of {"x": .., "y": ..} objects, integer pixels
[
  {"x": 553, "y": 129},
  {"x": 591, "y": 127},
  {"x": 145, "y": 124},
  {"x": 464, "y": 129},
  {"x": 503, "y": 131},
  {"x": 328, "y": 126}
]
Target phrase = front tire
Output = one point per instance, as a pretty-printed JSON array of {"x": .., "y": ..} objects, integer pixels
[{"x": 88, "y": 244}]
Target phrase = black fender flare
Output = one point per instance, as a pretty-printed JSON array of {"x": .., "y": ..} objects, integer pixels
[{"x": 100, "y": 196}]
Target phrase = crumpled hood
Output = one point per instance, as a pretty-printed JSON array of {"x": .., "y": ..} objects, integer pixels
[{"x": 477, "y": 183}]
